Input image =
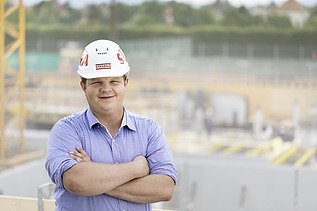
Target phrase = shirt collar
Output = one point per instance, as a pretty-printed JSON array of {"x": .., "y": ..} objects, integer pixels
[
  {"x": 92, "y": 120},
  {"x": 126, "y": 120},
  {"x": 129, "y": 122}
]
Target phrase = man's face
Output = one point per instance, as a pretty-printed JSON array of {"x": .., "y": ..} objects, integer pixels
[{"x": 105, "y": 94}]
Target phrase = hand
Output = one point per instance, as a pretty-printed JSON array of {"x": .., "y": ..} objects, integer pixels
[
  {"x": 142, "y": 166},
  {"x": 80, "y": 155}
]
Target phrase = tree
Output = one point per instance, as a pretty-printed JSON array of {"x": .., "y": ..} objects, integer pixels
[
  {"x": 125, "y": 12},
  {"x": 279, "y": 21},
  {"x": 185, "y": 15},
  {"x": 239, "y": 17},
  {"x": 312, "y": 21},
  {"x": 97, "y": 13},
  {"x": 203, "y": 16},
  {"x": 149, "y": 12},
  {"x": 69, "y": 15},
  {"x": 43, "y": 13}
]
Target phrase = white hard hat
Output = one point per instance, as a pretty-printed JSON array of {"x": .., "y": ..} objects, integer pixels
[{"x": 102, "y": 58}]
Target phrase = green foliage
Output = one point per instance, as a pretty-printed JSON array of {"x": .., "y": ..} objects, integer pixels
[
  {"x": 43, "y": 13},
  {"x": 46, "y": 13},
  {"x": 96, "y": 14},
  {"x": 278, "y": 21},
  {"x": 156, "y": 30},
  {"x": 150, "y": 12},
  {"x": 203, "y": 16},
  {"x": 186, "y": 16},
  {"x": 240, "y": 17},
  {"x": 124, "y": 12},
  {"x": 52, "y": 32},
  {"x": 183, "y": 13},
  {"x": 238, "y": 34},
  {"x": 147, "y": 20},
  {"x": 312, "y": 22},
  {"x": 254, "y": 35}
]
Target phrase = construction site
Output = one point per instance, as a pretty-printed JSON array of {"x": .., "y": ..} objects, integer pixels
[{"x": 243, "y": 131}]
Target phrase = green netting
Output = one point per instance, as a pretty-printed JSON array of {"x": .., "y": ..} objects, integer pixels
[{"x": 42, "y": 62}]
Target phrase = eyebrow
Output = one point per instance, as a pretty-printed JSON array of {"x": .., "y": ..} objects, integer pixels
[{"x": 94, "y": 79}]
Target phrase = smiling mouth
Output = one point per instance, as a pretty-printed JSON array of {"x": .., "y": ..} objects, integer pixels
[{"x": 108, "y": 97}]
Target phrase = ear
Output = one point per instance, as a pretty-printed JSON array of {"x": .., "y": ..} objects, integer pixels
[
  {"x": 83, "y": 86},
  {"x": 126, "y": 82}
]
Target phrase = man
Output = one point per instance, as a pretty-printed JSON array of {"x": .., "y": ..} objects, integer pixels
[{"x": 106, "y": 158}]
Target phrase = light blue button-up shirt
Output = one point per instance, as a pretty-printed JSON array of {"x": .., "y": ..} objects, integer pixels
[{"x": 138, "y": 135}]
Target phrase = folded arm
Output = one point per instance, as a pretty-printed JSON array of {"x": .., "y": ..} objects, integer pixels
[
  {"x": 145, "y": 189},
  {"x": 148, "y": 189},
  {"x": 89, "y": 178}
]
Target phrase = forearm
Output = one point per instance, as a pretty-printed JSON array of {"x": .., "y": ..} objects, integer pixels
[
  {"x": 88, "y": 178},
  {"x": 148, "y": 189}
]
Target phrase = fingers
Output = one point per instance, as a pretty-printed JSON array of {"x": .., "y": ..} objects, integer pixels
[
  {"x": 78, "y": 159},
  {"x": 80, "y": 155},
  {"x": 81, "y": 151}
]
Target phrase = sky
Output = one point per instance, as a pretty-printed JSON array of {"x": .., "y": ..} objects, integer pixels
[{"x": 247, "y": 3}]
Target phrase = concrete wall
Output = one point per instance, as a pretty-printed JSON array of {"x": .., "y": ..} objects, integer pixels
[
  {"x": 235, "y": 183},
  {"x": 306, "y": 190},
  {"x": 23, "y": 180},
  {"x": 216, "y": 182}
]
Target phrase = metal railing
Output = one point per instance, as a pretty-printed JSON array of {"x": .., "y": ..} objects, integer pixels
[{"x": 45, "y": 191}]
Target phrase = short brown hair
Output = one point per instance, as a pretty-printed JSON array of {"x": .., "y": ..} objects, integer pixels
[{"x": 84, "y": 80}]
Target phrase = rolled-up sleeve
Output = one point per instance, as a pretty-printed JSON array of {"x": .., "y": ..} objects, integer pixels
[
  {"x": 63, "y": 139},
  {"x": 159, "y": 155}
]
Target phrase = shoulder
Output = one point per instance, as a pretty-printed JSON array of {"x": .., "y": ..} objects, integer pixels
[
  {"x": 142, "y": 122},
  {"x": 140, "y": 118},
  {"x": 71, "y": 121},
  {"x": 137, "y": 117}
]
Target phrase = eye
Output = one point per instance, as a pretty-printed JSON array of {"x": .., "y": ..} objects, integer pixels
[
  {"x": 115, "y": 81},
  {"x": 95, "y": 82}
]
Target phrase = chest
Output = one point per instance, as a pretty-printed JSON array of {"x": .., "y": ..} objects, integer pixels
[{"x": 124, "y": 147}]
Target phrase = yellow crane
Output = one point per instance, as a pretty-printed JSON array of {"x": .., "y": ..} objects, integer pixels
[{"x": 12, "y": 42}]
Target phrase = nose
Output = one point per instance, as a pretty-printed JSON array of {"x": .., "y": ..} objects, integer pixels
[{"x": 105, "y": 87}]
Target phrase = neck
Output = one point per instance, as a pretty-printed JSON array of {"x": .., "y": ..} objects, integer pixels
[{"x": 112, "y": 120}]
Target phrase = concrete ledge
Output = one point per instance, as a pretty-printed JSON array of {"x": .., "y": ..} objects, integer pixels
[
  {"x": 12, "y": 203},
  {"x": 9, "y": 203}
]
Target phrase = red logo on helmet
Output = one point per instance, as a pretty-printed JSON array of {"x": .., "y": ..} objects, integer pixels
[
  {"x": 84, "y": 59},
  {"x": 120, "y": 57},
  {"x": 103, "y": 66}
]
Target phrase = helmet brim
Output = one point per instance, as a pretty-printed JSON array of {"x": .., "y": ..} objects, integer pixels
[{"x": 102, "y": 74}]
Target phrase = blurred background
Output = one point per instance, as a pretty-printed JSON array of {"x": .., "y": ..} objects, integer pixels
[{"x": 233, "y": 84}]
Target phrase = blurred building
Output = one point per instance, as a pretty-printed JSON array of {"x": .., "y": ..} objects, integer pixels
[
  {"x": 219, "y": 7},
  {"x": 169, "y": 16},
  {"x": 292, "y": 9},
  {"x": 297, "y": 13}
]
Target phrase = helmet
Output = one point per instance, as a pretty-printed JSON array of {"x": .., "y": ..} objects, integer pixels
[{"x": 102, "y": 58}]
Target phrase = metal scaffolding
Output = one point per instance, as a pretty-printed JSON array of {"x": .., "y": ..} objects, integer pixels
[{"x": 12, "y": 70}]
